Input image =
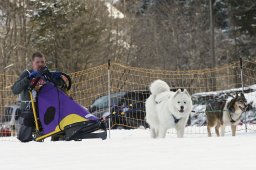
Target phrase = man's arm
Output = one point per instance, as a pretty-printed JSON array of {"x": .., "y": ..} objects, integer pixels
[
  {"x": 59, "y": 79},
  {"x": 21, "y": 84}
]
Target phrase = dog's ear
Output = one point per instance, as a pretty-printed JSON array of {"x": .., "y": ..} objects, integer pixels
[
  {"x": 186, "y": 92},
  {"x": 230, "y": 105},
  {"x": 243, "y": 98},
  {"x": 177, "y": 92}
]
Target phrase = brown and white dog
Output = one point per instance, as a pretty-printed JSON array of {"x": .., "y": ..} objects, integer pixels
[{"x": 225, "y": 113}]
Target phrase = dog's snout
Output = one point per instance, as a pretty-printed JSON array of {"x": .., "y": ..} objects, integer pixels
[{"x": 181, "y": 107}]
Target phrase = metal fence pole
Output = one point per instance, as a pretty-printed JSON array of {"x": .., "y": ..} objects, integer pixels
[
  {"x": 242, "y": 83},
  {"x": 109, "y": 102}
]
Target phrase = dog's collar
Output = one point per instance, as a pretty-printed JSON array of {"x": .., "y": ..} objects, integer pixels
[
  {"x": 157, "y": 102},
  {"x": 175, "y": 119}
]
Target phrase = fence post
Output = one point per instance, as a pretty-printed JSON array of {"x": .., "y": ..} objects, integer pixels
[
  {"x": 109, "y": 102},
  {"x": 242, "y": 83}
]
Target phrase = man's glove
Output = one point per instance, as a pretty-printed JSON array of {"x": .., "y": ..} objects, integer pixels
[
  {"x": 34, "y": 74},
  {"x": 44, "y": 71},
  {"x": 56, "y": 75}
]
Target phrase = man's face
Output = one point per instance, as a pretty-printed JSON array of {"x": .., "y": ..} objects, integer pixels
[{"x": 38, "y": 63}]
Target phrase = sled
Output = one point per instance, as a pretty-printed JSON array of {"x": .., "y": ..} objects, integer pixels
[{"x": 58, "y": 116}]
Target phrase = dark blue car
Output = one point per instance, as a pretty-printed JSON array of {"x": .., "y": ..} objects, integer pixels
[{"x": 127, "y": 109}]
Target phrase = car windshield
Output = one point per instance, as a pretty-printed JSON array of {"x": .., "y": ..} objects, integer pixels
[{"x": 102, "y": 102}]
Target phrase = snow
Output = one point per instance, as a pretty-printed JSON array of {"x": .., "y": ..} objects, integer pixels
[
  {"x": 252, "y": 87},
  {"x": 132, "y": 150},
  {"x": 113, "y": 11},
  {"x": 250, "y": 97}
]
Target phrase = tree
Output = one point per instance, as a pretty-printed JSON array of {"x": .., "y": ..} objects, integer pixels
[
  {"x": 170, "y": 34},
  {"x": 243, "y": 27},
  {"x": 14, "y": 34},
  {"x": 74, "y": 35}
]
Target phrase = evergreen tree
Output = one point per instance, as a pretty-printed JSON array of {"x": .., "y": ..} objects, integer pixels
[
  {"x": 73, "y": 34},
  {"x": 243, "y": 27}
]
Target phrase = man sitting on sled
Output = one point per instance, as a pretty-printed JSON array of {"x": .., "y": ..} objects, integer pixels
[{"x": 22, "y": 87}]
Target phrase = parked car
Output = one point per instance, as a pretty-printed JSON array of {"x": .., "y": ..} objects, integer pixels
[
  {"x": 9, "y": 123},
  {"x": 99, "y": 107},
  {"x": 127, "y": 109}
]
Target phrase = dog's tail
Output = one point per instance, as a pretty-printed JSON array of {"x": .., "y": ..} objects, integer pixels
[{"x": 159, "y": 86}]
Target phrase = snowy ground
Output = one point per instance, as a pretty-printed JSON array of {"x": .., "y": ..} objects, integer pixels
[{"x": 133, "y": 149}]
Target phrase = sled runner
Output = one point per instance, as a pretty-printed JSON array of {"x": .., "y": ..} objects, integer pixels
[{"x": 58, "y": 116}]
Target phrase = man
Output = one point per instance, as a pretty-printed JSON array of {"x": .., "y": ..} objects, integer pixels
[{"x": 22, "y": 87}]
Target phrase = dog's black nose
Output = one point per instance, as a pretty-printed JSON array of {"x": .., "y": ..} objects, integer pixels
[{"x": 181, "y": 107}]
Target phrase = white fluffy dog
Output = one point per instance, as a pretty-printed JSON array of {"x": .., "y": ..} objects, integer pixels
[{"x": 166, "y": 109}]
